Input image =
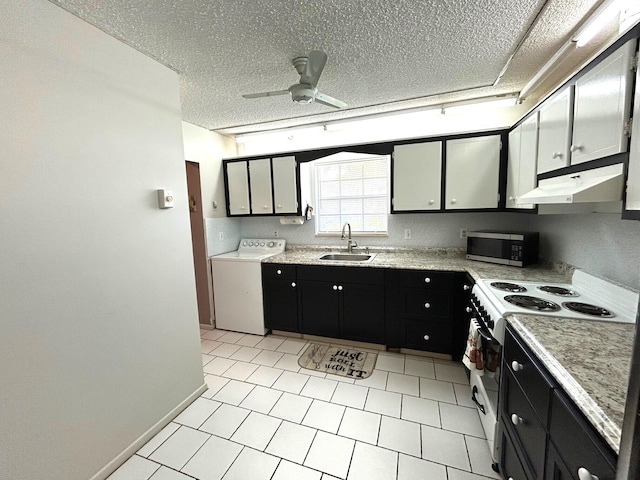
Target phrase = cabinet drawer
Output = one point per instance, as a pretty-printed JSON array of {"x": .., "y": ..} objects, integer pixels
[
  {"x": 577, "y": 442},
  {"x": 511, "y": 467},
  {"x": 364, "y": 275},
  {"x": 421, "y": 279},
  {"x": 427, "y": 336},
  {"x": 421, "y": 303},
  {"x": 528, "y": 375},
  {"x": 520, "y": 420},
  {"x": 278, "y": 270}
]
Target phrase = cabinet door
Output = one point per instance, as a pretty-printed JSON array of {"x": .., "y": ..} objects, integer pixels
[
  {"x": 285, "y": 185},
  {"x": 633, "y": 182},
  {"x": 261, "y": 195},
  {"x": 513, "y": 166},
  {"x": 602, "y": 106},
  {"x": 554, "y": 135},
  {"x": 238, "y": 183},
  {"x": 521, "y": 166},
  {"x": 280, "y": 297},
  {"x": 555, "y": 468},
  {"x": 362, "y": 312},
  {"x": 417, "y": 177},
  {"x": 472, "y": 171},
  {"x": 319, "y": 308}
]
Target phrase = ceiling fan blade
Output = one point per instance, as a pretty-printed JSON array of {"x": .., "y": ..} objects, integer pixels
[
  {"x": 329, "y": 101},
  {"x": 315, "y": 64},
  {"x": 266, "y": 94}
]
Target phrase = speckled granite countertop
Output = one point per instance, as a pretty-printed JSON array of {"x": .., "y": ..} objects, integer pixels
[
  {"x": 449, "y": 259},
  {"x": 589, "y": 359}
]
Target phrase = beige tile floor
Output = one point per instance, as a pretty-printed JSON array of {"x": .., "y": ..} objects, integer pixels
[{"x": 265, "y": 418}]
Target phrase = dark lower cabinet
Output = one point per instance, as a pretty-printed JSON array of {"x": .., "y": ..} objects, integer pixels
[
  {"x": 280, "y": 297},
  {"x": 420, "y": 309},
  {"x": 342, "y": 302},
  {"x": 543, "y": 434}
]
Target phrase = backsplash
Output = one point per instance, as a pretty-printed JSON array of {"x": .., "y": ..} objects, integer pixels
[{"x": 601, "y": 244}]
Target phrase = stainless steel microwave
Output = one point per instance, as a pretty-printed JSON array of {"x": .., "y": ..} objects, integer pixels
[{"x": 505, "y": 248}]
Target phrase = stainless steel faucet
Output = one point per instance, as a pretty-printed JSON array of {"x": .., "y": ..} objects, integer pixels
[{"x": 350, "y": 243}]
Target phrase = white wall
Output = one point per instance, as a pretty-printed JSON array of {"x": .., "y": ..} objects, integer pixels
[{"x": 98, "y": 318}]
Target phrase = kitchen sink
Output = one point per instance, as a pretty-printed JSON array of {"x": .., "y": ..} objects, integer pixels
[{"x": 348, "y": 257}]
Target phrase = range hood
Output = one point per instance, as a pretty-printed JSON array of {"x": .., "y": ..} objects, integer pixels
[{"x": 604, "y": 184}]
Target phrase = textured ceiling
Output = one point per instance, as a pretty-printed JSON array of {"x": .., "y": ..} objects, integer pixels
[{"x": 383, "y": 55}]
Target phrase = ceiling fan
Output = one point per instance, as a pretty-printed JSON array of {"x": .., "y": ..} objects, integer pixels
[{"x": 309, "y": 68}]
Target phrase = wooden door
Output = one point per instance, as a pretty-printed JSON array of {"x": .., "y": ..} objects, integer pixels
[{"x": 198, "y": 240}]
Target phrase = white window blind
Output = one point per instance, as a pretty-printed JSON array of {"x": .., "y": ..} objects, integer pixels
[{"x": 354, "y": 191}]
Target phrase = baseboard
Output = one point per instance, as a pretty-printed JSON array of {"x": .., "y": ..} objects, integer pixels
[{"x": 113, "y": 465}]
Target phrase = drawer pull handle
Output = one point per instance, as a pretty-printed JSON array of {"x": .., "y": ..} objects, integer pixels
[
  {"x": 293, "y": 284},
  {"x": 584, "y": 474},
  {"x": 516, "y": 367},
  {"x": 475, "y": 400},
  {"x": 279, "y": 272},
  {"x": 427, "y": 280},
  {"x": 426, "y": 337},
  {"x": 427, "y": 305},
  {"x": 515, "y": 419}
]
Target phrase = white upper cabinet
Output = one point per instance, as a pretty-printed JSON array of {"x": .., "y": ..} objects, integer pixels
[
  {"x": 602, "y": 107},
  {"x": 285, "y": 185},
  {"x": 472, "y": 172},
  {"x": 417, "y": 176},
  {"x": 554, "y": 135},
  {"x": 238, "y": 184},
  {"x": 260, "y": 181},
  {"x": 633, "y": 179},
  {"x": 521, "y": 165}
]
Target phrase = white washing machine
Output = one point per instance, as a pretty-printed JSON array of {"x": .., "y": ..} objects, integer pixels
[{"x": 237, "y": 285}]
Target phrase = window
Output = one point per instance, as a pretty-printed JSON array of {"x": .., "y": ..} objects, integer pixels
[{"x": 352, "y": 188}]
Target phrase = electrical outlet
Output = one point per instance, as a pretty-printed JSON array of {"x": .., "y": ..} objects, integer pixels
[
  {"x": 407, "y": 234},
  {"x": 221, "y": 236},
  {"x": 275, "y": 234},
  {"x": 463, "y": 233}
]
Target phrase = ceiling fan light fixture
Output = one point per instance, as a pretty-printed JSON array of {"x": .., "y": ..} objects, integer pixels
[{"x": 302, "y": 93}]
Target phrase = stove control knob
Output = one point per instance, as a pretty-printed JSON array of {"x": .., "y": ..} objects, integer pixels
[
  {"x": 262, "y": 244},
  {"x": 490, "y": 323},
  {"x": 271, "y": 244},
  {"x": 516, "y": 367},
  {"x": 251, "y": 244}
]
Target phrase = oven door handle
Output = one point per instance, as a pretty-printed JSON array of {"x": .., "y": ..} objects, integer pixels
[{"x": 475, "y": 400}]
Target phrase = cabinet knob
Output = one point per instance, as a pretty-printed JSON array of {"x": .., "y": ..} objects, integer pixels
[
  {"x": 279, "y": 272},
  {"x": 293, "y": 284},
  {"x": 427, "y": 305},
  {"x": 453, "y": 200},
  {"x": 515, "y": 419},
  {"x": 426, "y": 337},
  {"x": 512, "y": 198},
  {"x": 575, "y": 148},
  {"x": 427, "y": 280},
  {"x": 466, "y": 287},
  {"x": 242, "y": 207},
  {"x": 279, "y": 206},
  {"x": 340, "y": 287},
  {"x": 468, "y": 309},
  {"x": 335, "y": 287},
  {"x": 516, "y": 367},
  {"x": 584, "y": 474},
  {"x": 431, "y": 202},
  {"x": 557, "y": 155}
]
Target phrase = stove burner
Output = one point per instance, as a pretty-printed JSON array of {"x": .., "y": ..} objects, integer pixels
[
  {"x": 508, "y": 287},
  {"x": 560, "y": 291},
  {"x": 588, "y": 309},
  {"x": 532, "y": 303}
]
